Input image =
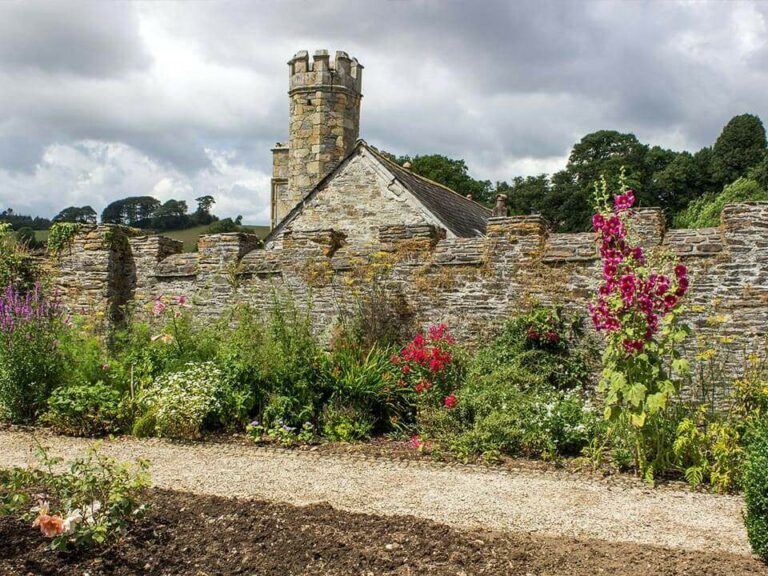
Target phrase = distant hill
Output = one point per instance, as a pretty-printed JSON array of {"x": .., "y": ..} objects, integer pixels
[{"x": 188, "y": 236}]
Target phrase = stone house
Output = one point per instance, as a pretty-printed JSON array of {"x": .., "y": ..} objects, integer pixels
[{"x": 326, "y": 178}]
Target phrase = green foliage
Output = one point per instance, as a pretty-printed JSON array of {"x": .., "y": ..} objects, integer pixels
[
  {"x": 31, "y": 366},
  {"x": 277, "y": 358},
  {"x": 705, "y": 210},
  {"x": 523, "y": 392},
  {"x": 78, "y": 214},
  {"x": 709, "y": 452},
  {"x": 363, "y": 395},
  {"x": 84, "y": 410},
  {"x": 346, "y": 423},
  {"x": 171, "y": 339},
  {"x": 759, "y": 172},
  {"x": 61, "y": 235},
  {"x": 755, "y": 485},
  {"x": 740, "y": 146},
  {"x": 185, "y": 403},
  {"x": 17, "y": 267},
  {"x": 91, "y": 503},
  {"x": 500, "y": 413},
  {"x": 544, "y": 346}
]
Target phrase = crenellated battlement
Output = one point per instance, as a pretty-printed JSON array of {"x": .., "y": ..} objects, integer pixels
[{"x": 309, "y": 74}]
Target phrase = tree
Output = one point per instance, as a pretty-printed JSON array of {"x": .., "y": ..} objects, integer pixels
[
  {"x": 82, "y": 215},
  {"x": 677, "y": 184},
  {"x": 705, "y": 211},
  {"x": 133, "y": 211},
  {"x": 759, "y": 171},
  {"x": 204, "y": 204},
  {"x": 170, "y": 216},
  {"x": 740, "y": 146},
  {"x": 600, "y": 154},
  {"x": 526, "y": 195},
  {"x": 451, "y": 173},
  {"x": 202, "y": 215}
]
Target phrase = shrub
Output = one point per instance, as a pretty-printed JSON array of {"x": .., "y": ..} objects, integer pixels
[
  {"x": 755, "y": 486},
  {"x": 543, "y": 347},
  {"x": 90, "y": 503},
  {"x": 709, "y": 451},
  {"x": 363, "y": 395},
  {"x": 167, "y": 342},
  {"x": 84, "y": 410},
  {"x": 276, "y": 358},
  {"x": 705, "y": 211},
  {"x": 183, "y": 404},
  {"x": 30, "y": 362},
  {"x": 497, "y": 414},
  {"x": 430, "y": 365},
  {"x": 522, "y": 394}
]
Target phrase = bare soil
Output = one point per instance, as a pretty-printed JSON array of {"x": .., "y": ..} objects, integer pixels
[{"x": 206, "y": 535}]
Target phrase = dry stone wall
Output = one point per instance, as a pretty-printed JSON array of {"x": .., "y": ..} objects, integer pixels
[{"x": 469, "y": 283}]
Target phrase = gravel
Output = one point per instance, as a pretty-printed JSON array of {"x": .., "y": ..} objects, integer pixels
[{"x": 460, "y": 496}]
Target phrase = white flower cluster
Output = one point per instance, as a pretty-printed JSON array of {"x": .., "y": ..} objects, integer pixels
[{"x": 182, "y": 401}]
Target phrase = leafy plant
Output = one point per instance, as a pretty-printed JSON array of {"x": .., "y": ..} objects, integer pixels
[
  {"x": 30, "y": 362},
  {"x": 61, "y": 235},
  {"x": 755, "y": 486},
  {"x": 638, "y": 308},
  {"x": 276, "y": 358},
  {"x": 17, "y": 267},
  {"x": 363, "y": 394},
  {"x": 182, "y": 404},
  {"x": 84, "y": 410},
  {"x": 431, "y": 366},
  {"x": 545, "y": 345},
  {"x": 709, "y": 452},
  {"x": 91, "y": 503}
]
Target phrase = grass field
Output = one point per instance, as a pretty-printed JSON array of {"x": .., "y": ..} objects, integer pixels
[{"x": 188, "y": 236}]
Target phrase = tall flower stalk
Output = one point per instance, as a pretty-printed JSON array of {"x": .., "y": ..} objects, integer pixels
[
  {"x": 30, "y": 361},
  {"x": 637, "y": 307}
]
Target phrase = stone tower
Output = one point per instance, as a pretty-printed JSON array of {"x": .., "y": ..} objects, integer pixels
[{"x": 324, "y": 125}]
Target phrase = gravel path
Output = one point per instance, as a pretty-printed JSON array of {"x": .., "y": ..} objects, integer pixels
[{"x": 518, "y": 501}]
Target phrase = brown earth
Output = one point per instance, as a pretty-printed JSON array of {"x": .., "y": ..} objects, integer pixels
[{"x": 185, "y": 534}]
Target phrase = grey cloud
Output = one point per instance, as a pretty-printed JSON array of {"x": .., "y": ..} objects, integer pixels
[
  {"x": 78, "y": 37},
  {"x": 493, "y": 82}
]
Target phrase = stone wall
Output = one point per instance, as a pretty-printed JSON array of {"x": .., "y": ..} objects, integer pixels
[
  {"x": 469, "y": 283},
  {"x": 359, "y": 199}
]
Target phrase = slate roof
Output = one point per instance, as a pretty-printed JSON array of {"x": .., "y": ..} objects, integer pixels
[{"x": 463, "y": 217}]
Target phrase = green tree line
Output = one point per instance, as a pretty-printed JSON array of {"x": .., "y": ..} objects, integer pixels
[{"x": 689, "y": 186}]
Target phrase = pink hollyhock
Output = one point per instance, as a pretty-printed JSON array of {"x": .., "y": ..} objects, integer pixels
[{"x": 450, "y": 401}]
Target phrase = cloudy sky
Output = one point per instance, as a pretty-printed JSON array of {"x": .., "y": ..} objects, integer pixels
[{"x": 103, "y": 100}]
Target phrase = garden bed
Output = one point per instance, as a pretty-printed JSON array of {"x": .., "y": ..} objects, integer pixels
[{"x": 189, "y": 534}]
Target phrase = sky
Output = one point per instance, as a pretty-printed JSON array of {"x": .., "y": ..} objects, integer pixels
[{"x": 102, "y": 100}]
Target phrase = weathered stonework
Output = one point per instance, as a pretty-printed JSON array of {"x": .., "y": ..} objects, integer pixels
[
  {"x": 469, "y": 283},
  {"x": 358, "y": 202},
  {"x": 324, "y": 124}
]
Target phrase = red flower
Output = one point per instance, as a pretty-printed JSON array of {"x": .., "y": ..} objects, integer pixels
[{"x": 450, "y": 401}]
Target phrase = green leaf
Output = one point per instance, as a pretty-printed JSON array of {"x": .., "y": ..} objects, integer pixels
[
  {"x": 656, "y": 402},
  {"x": 681, "y": 366},
  {"x": 636, "y": 394}
]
